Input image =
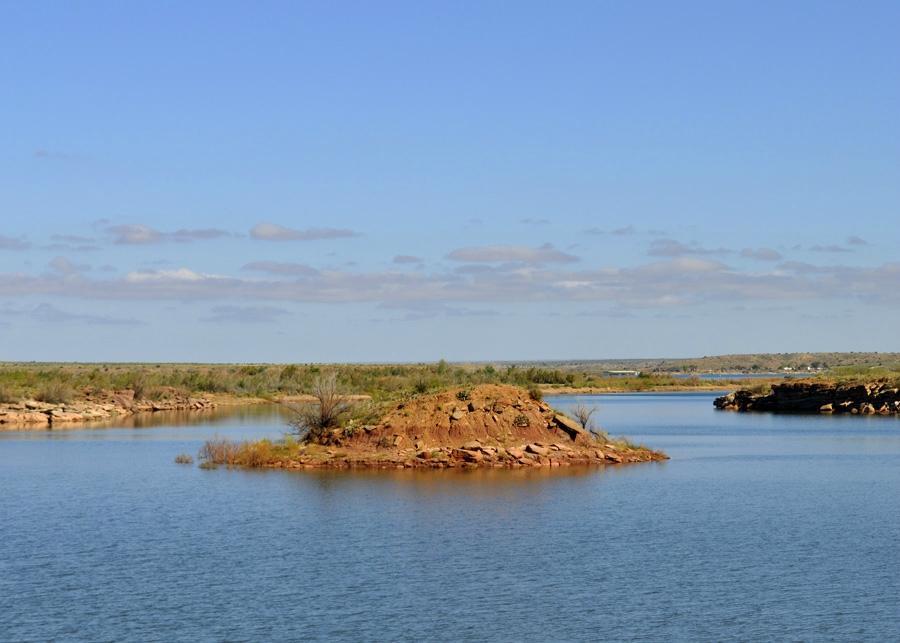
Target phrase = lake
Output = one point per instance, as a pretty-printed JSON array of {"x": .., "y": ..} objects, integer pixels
[{"x": 760, "y": 527}]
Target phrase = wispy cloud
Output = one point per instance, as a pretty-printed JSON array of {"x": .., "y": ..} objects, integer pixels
[
  {"x": 761, "y": 254},
  {"x": 13, "y": 243},
  {"x": 623, "y": 231},
  {"x": 63, "y": 266},
  {"x": 281, "y": 268},
  {"x": 274, "y": 232},
  {"x": 856, "y": 241},
  {"x": 668, "y": 283},
  {"x": 832, "y": 248},
  {"x": 674, "y": 248},
  {"x": 512, "y": 254},
  {"x": 72, "y": 243},
  {"x": 138, "y": 234},
  {"x": 416, "y": 310},
  {"x": 407, "y": 259},
  {"x": 162, "y": 276},
  {"x": 44, "y": 153},
  {"x": 532, "y": 221},
  {"x": 245, "y": 314},
  {"x": 50, "y": 314}
]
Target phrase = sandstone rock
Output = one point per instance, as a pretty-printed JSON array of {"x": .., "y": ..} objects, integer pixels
[
  {"x": 536, "y": 449},
  {"x": 25, "y": 418},
  {"x": 468, "y": 455},
  {"x": 569, "y": 426}
]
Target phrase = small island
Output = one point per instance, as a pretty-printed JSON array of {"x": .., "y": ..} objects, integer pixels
[
  {"x": 485, "y": 426},
  {"x": 818, "y": 397}
]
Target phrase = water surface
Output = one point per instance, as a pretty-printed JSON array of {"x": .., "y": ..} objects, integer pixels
[{"x": 760, "y": 527}]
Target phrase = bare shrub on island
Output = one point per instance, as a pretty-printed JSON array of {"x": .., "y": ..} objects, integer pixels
[
  {"x": 583, "y": 415},
  {"x": 315, "y": 420}
]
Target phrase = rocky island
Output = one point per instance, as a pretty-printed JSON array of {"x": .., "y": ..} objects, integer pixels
[
  {"x": 487, "y": 426},
  {"x": 881, "y": 398}
]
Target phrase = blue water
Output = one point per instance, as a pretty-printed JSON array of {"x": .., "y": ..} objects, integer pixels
[{"x": 759, "y": 528}]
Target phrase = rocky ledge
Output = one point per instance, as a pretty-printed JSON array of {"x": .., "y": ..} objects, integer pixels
[
  {"x": 474, "y": 454},
  {"x": 878, "y": 398},
  {"x": 94, "y": 407}
]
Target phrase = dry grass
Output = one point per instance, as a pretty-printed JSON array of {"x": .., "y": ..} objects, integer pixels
[
  {"x": 55, "y": 392},
  {"x": 259, "y": 453},
  {"x": 7, "y": 396}
]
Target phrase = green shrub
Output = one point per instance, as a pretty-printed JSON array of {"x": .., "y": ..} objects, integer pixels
[
  {"x": 184, "y": 458},
  {"x": 54, "y": 392},
  {"x": 6, "y": 395},
  {"x": 535, "y": 393},
  {"x": 462, "y": 396}
]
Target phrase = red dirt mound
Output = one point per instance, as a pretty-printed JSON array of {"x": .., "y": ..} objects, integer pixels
[
  {"x": 486, "y": 426},
  {"x": 494, "y": 415}
]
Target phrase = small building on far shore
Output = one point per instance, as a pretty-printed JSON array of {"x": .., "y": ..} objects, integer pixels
[{"x": 623, "y": 373}]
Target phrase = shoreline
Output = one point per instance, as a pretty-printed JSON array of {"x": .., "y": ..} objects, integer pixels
[
  {"x": 33, "y": 415},
  {"x": 817, "y": 398}
]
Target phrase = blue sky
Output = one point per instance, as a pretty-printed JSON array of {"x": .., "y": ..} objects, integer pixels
[{"x": 349, "y": 181}]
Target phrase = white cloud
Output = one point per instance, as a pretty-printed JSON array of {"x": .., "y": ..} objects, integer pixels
[
  {"x": 281, "y": 268},
  {"x": 673, "y": 248},
  {"x": 65, "y": 267},
  {"x": 275, "y": 232},
  {"x": 681, "y": 281},
  {"x": 138, "y": 234},
  {"x": 512, "y": 254},
  {"x": 181, "y": 274}
]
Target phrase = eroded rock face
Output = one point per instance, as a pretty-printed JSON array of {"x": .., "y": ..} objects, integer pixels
[
  {"x": 817, "y": 397},
  {"x": 95, "y": 407}
]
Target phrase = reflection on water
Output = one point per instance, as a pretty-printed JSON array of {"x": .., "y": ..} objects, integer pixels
[{"x": 225, "y": 414}]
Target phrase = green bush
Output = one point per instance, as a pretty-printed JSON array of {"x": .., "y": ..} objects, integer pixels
[
  {"x": 54, "y": 393},
  {"x": 6, "y": 395}
]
